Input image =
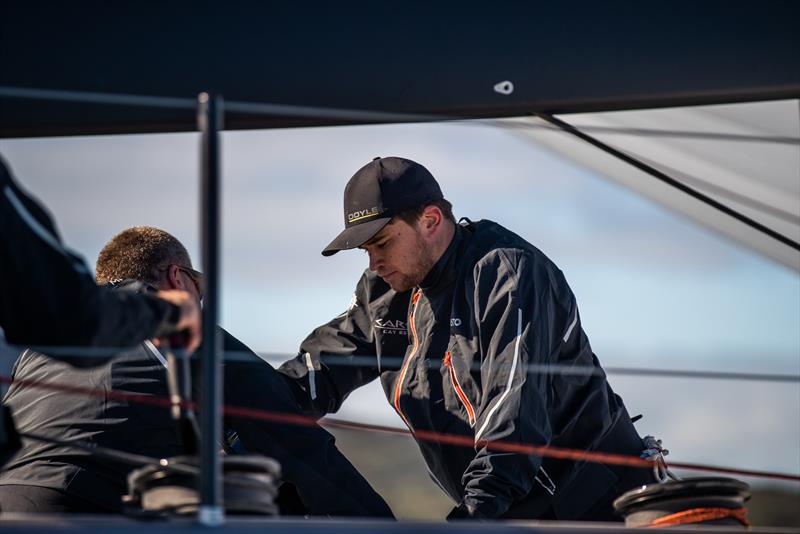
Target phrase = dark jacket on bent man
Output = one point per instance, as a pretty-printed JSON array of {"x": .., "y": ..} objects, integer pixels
[
  {"x": 324, "y": 479},
  {"x": 49, "y": 297},
  {"x": 492, "y": 308}
]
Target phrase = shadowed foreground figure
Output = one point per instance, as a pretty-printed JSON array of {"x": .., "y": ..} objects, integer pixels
[
  {"x": 47, "y": 477},
  {"x": 48, "y": 296},
  {"x": 467, "y": 308}
]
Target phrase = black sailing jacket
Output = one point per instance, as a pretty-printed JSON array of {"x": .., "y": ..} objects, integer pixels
[
  {"x": 47, "y": 294},
  {"x": 324, "y": 479},
  {"x": 459, "y": 355}
]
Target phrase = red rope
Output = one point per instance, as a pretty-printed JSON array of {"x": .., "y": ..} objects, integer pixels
[
  {"x": 423, "y": 435},
  {"x": 701, "y": 515}
]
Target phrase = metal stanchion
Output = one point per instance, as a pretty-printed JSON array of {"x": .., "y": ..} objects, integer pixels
[{"x": 209, "y": 122}]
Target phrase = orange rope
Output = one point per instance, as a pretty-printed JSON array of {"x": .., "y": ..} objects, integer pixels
[
  {"x": 549, "y": 451},
  {"x": 701, "y": 515}
]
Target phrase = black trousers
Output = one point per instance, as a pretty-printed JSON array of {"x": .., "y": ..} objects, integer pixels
[{"x": 37, "y": 500}]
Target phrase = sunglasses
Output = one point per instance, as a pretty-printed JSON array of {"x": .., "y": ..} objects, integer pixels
[{"x": 195, "y": 276}]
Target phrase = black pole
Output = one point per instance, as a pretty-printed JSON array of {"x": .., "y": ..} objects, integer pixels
[{"x": 209, "y": 122}]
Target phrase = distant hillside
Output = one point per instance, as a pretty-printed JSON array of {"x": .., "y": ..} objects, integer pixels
[
  {"x": 775, "y": 507},
  {"x": 394, "y": 467}
]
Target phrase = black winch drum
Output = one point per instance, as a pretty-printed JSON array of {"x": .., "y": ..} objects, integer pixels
[
  {"x": 250, "y": 485},
  {"x": 643, "y": 506}
]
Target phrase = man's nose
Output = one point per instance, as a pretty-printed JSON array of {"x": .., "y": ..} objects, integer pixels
[{"x": 374, "y": 262}]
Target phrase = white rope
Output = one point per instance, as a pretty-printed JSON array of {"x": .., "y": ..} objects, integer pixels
[{"x": 654, "y": 452}]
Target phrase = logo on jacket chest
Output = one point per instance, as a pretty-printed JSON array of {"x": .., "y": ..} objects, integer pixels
[{"x": 392, "y": 326}]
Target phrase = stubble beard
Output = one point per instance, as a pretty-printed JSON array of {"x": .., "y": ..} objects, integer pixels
[{"x": 419, "y": 271}]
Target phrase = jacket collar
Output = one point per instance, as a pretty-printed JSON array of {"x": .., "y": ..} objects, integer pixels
[{"x": 443, "y": 271}]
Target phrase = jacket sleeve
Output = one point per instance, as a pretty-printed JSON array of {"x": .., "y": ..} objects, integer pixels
[
  {"x": 47, "y": 294},
  {"x": 325, "y": 480},
  {"x": 336, "y": 358},
  {"x": 519, "y": 318}
]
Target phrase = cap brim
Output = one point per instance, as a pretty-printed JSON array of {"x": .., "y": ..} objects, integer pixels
[{"x": 355, "y": 236}]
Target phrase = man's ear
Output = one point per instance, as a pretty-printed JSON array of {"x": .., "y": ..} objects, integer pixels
[
  {"x": 431, "y": 219},
  {"x": 174, "y": 280}
]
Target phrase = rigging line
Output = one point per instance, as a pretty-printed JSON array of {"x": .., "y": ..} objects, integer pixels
[
  {"x": 112, "y": 454},
  {"x": 653, "y": 132},
  {"x": 255, "y": 108},
  {"x": 571, "y": 370},
  {"x": 289, "y": 110},
  {"x": 395, "y": 362},
  {"x": 553, "y": 369},
  {"x": 100, "y": 353},
  {"x": 744, "y": 200},
  {"x": 788, "y": 216},
  {"x": 671, "y": 181},
  {"x": 91, "y": 97},
  {"x": 549, "y": 451},
  {"x": 713, "y": 375},
  {"x": 562, "y": 453},
  {"x": 424, "y": 435}
]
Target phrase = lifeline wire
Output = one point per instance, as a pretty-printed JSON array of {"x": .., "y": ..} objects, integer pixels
[
  {"x": 424, "y": 435},
  {"x": 112, "y": 454},
  {"x": 395, "y": 362}
]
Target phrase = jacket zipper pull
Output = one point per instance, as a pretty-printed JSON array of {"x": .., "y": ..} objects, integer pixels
[
  {"x": 448, "y": 362},
  {"x": 412, "y": 328}
]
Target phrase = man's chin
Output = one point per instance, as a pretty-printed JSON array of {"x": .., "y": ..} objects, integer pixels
[{"x": 398, "y": 284}]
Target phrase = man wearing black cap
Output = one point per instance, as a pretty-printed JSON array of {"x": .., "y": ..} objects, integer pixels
[{"x": 457, "y": 321}]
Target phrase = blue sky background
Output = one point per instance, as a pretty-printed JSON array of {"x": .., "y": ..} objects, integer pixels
[{"x": 654, "y": 290}]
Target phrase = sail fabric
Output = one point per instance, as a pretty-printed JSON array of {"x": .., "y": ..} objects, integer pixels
[{"x": 745, "y": 155}]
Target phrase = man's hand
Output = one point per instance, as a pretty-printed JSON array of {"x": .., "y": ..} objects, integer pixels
[{"x": 189, "y": 320}]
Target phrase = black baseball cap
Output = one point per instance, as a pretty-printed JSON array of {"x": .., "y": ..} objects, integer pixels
[{"x": 380, "y": 190}]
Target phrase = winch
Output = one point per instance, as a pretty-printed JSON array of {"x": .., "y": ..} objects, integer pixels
[{"x": 250, "y": 485}]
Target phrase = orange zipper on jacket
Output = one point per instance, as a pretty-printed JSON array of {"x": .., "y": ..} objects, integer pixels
[
  {"x": 460, "y": 392},
  {"x": 414, "y": 347}
]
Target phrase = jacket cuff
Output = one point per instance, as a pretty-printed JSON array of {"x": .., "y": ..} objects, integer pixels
[{"x": 465, "y": 511}]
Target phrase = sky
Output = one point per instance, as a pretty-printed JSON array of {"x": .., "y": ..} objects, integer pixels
[{"x": 654, "y": 289}]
